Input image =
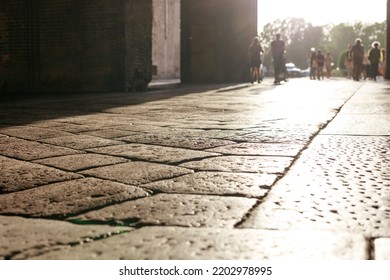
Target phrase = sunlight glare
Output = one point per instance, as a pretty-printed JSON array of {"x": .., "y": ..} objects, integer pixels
[{"x": 331, "y": 11}]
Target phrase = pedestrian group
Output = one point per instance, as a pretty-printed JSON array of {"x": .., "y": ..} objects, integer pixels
[{"x": 359, "y": 63}]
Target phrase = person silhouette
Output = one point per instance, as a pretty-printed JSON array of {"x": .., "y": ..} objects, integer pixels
[
  {"x": 277, "y": 50},
  {"x": 374, "y": 56},
  {"x": 255, "y": 50},
  {"x": 357, "y": 53}
]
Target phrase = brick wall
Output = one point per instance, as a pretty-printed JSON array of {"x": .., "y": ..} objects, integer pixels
[
  {"x": 71, "y": 45},
  {"x": 15, "y": 43},
  {"x": 138, "y": 38}
]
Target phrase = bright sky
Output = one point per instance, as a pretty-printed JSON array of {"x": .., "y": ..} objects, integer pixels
[{"x": 322, "y": 12}]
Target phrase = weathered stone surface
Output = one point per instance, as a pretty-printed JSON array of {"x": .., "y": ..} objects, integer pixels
[
  {"x": 81, "y": 161},
  {"x": 259, "y": 149},
  {"x": 218, "y": 183},
  {"x": 135, "y": 173},
  {"x": 171, "y": 243},
  {"x": 81, "y": 142},
  {"x": 359, "y": 125},
  {"x": 22, "y": 238},
  {"x": 33, "y": 133},
  {"x": 340, "y": 183},
  {"x": 254, "y": 164},
  {"x": 67, "y": 198},
  {"x": 29, "y": 150},
  {"x": 382, "y": 249},
  {"x": 110, "y": 133},
  {"x": 153, "y": 153},
  {"x": 67, "y": 125},
  {"x": 19, "y": 175},
  {"x": 195, "y": 143},
  {"x": 177, "y": 210}
]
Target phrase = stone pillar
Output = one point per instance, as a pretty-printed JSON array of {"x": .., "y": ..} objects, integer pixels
[
  {"x": 215, "y": 38},
  {"x": 166, "y": 39}
]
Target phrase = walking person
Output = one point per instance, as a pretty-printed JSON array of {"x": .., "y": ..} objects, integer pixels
[
  {"x": 348, "y": 63},
  {"x": 277, "y": 50},
  {"x": 374, "y": 56},
  {"x": 320, "y": 58},
  {"x": 255, "y": 51},
  {"x": 328, "y": 64},
  {"x": 313, "y": 65},
  {"x": 357, "y": 53}
]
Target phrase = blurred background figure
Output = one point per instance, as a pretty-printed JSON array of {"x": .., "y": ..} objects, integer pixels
[
  {"x": 255, "y": 51},
  {"x": 357, "y": 53},
  {"x": 374, "y": 56},
  {"x": 328, "y": 64},
  {"x": 313, "y": 64}
]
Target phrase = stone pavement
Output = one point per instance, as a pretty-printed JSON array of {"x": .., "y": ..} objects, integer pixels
[{"x": 298, "y": 171}]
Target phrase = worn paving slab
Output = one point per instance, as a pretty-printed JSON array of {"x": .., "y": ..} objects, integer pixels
[
  {"x": 259, "y": 149},
  {"x": 22, "y": 238},
  {"x": 33, "y": 133},
  {"x": 360, "y": 125},
  {"x": 67, "y": 198},
  {"x": 30, "y": 150},
  {"x": 21, "y": 175},
  {"x": 80, "y": 142},
  {"x": 250, "y": 164},
  {"x": 80, "y": 161},
  {"x": 177, "y": 243},
  {"x": 153, "y": 153},
  {"x": 339, "y": 183},
  {"x": 66, "y": 125},
  {"x": 175, "y": 210},
  {"x": 110, "y": 133},
  {"x": 382, "y": 249},
  {"x": 135, "y": 173},
  {"x": 195, "y": 143},
  {"x": 217, "y": 183}
]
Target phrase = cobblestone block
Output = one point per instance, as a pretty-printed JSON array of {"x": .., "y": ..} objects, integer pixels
[
  {"x": 218, "y": 183},
  {"x": 382, "y": 249},
  {"x": 22, "y": 175},
  {"x": 22, "y": 238},
  {"x": 33, "y": 133},
  {"x": 195, "y": 143},
  {"x": 339, "y": 183},
  {"x": 153, "y": 153},
  {"x": 29, "y": 150},
  {"x": 259, "y": 149},
  {"x": 110, "y": 133},
  {"x": 219, "y": 244},
  {"x": 80, "y": 162},
  {"x": 135, "y": 173},
  {"x": 253, "y": 164},
  {"x": 81, "y": 142},
  {"x": 66, "y": 198},
  {"x": 175, "y": 209},
  {"x": 64, "y": 125}
]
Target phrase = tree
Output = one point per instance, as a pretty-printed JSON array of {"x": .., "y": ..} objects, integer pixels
[
  {"x": 343, "y": 35},
  {"x": 299, "y": 36}
]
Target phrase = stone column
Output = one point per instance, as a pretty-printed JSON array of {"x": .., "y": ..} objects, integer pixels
[{"x": 215, "y": 38}]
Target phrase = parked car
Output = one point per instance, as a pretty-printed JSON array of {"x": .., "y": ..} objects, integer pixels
[{"x": 293, "y": 71}]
